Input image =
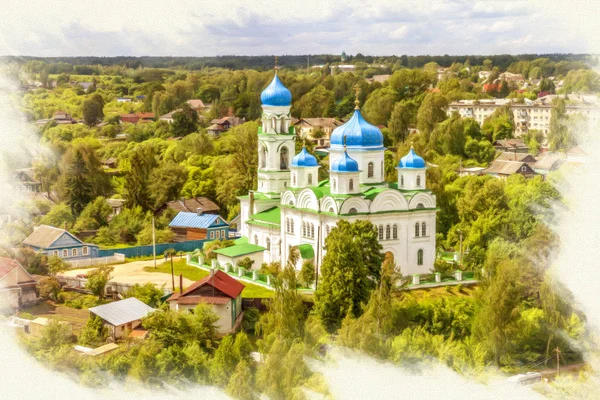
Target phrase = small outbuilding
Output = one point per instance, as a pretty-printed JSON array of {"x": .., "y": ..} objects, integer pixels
[
  {"x": 17, "y": 287},
  {"x": 219, "y": 290},
  {"x": 122, "y": 316}
]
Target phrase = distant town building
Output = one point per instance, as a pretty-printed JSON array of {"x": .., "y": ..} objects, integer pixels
[
  {"x": 504, "y": 169},
  {"x": 515, "y": 156},
  {"x": 59, "y": 118},
  {"x": 222, "y": 125},
  {"x": 60, "y": 243},
  {"x": 530, "y": 115},
  {"x": 191, "y": 205},
  {"x": 123, "y": 100},
  {"x": 378, "y": 78},
  {"x": 511, "y": 146},
  {"x": 28, "y": 181},
  {"x": 317, "y": 130},
  {"x": 140, "y": 117}
]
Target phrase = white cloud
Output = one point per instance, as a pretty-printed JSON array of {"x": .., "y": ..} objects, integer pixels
[{"x": 399, "y": 33}]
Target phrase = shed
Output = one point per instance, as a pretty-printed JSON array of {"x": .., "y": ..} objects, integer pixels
[
  {"x": 121, "y": 316},
  {"x": 17, "y": 286},
  {"x": 232, "y": 254}
]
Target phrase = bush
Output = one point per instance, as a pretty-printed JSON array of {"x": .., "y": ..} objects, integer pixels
[{"x": 251, "y": 316}]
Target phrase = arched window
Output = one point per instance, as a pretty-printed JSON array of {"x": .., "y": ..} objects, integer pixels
[
  {"x": 401, "y": 180},
  {"x": 370, "y": 170},
  {"x": 291, "y": 203},
  {"x": 387, "y": 231},
  {"x": 331, "y": 210},
  {"x": 283, "y": 158},
  {"x": 423, "y": 229},
  {"x": 420, "y": 257},
  {"x": 417, "y": 229},
  {"x": 395, "y": 232},
  {"x": 351, "y": 184},
  {"x": 287, "y": 224},
  {"x": 420, "y": 205},
  {"x": 380, "y": 232},
  {"x": 310, "y": 179},
  {"x": 268, "y": 244},
  {"x": 292, "y": 225},
  {"x": 418, "y": 180},
  {"x": 263, "y": 157},
  {"x": 352, "y": 211},
  {"x": 256, "y": 239},
  {"x": 303, "y": 228},
  {"x": 294, "y": 179},
  {"x": 334, "y": 184},
  {"x": 312, "y": 230}
]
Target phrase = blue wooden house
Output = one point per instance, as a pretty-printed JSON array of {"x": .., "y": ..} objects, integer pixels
[
  {"x": 198, "y": 226},
  {"x": 58, "y": 242}
]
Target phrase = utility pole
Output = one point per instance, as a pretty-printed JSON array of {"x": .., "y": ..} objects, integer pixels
[
  {"x": 557, "y": 361},
  {"x": 460, "y": 254},
  {"x": 172, "y": 272},
  {"x": 153, "y": 241}
]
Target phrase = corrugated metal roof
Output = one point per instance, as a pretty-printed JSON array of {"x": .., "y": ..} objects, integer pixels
[
  {"x": 193, "y": 220},
  {"x": 240, "y": 250},
  {"x": 122, "y": 311},
  {"x": 43, "y": 236}
]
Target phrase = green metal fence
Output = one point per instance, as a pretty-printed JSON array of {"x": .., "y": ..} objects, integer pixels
[{"x": 142, "y": 251}]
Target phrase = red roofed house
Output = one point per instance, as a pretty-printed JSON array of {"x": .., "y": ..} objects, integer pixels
[
  {"x": 17, "y": 287},
  {"x": 219, "y": 290}
]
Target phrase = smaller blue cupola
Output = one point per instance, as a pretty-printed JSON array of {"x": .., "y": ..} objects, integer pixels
[
  {"x": 276, "y": 94},
  {"x": 411, "y": 160},
  {"x": 344, "y": 164},
  {"x": 304, "y": 159}
]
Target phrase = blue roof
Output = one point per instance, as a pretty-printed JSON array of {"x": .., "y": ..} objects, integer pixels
[
  {"x": 344, "y": 164},
  {"x": 411, "y": 160},
  {"x": 357, "y": 133},
  {"x": 304, "y": 159},
  {"x": 193, "y": 220},
  {"x": 276, "y": 94}
]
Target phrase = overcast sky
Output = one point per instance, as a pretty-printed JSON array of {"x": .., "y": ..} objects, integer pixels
[{"x": 260, "y": 27}]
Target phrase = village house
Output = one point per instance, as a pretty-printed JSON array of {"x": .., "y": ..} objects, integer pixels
[
  {"x": 318, "y": 130},
  {"x": 190, "y": 205},
  {"x": 122, "y": 317},
  {"x": 140, "y": 117},
  {"x": 198, "y": 226},
  {"x": 548, "y": 163},
  {"x": 59, "y": 243},
  {"x": 110, "y": 163},
  {"x": 514, "y": 156},
  {"x": 511, "y": 145},
  {"x": 504, "y": 169},
  {"x": 222, "y": 125},
  {"x": 198, "y": 105},
  {"x": 17, "y": 287},
  {"x": 27, "y": 181},
  {"x": 59, "y": 118},
  {"x": 220, "y": 291},
  {"x": 116, "y": 205}
]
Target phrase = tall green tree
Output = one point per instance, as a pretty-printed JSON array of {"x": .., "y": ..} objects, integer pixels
[
  {"x": 78, "y": 188},
  {"x": 404, "y": 116},
  {"x": 184, "y": 121},
  {"x": 431, "y": 111},
  {"x": 137, "y": 177},
  {"x": 350, "y": 271}
]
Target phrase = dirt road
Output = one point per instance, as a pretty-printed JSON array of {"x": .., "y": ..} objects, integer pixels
[{"x": 133, "y": 272}]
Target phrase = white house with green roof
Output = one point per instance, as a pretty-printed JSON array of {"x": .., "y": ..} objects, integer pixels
[{"x": 292, "y": 209}]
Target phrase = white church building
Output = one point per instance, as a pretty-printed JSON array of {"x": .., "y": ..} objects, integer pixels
[{"x": 291, "y": 208}]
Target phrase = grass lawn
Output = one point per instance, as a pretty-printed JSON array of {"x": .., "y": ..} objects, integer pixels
[
  {"x": 432, "y": 293},
  {"x": 195, "y": 274}
]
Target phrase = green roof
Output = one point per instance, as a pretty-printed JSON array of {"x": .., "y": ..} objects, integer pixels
[
  {"x": 242, "y": 240},
  {"x": 306, "y": 251},
  {"x": 239, "y": 250},
  {"x": 272, "y": 215}
]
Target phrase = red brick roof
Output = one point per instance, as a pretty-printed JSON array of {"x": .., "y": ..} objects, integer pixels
[{"x": 7, "y": 265}]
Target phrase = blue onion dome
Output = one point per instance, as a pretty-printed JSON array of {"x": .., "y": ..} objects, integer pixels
[
  {"x": 304, "y": 159},
  {"x": 411, "y": 160},
  {"x": 358, "y": 133},
  {"x": 344, "y": 164},
  {"x": 276, "y": 94}
]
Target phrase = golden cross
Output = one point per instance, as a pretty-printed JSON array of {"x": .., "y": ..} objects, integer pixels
[{"x": 356, "y": 91}]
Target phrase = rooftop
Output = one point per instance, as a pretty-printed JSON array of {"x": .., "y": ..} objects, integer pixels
[
  {"x": 123, "y": 311},
  {"x": 219, "y": 280},
  {"x": 239, "y": 250},
  {"x": 44, "y": 235},
  {"x": 193, "y": 220}
]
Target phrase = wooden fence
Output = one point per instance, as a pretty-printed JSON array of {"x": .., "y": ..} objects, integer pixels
[{"x": 91, "y": 262}]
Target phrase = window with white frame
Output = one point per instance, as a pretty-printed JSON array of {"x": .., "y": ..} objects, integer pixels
[
  {"x": 73, "y": 252},
  {"x": 380, "y": 232},
  {"x": 420, "y": 257},
  {"x": 417, "y": 229},
  {"x": 388, "y": 231},
  {"x": 423, "y": 229},
  {"x": 85, "y": 250},
  {"x": 395, "y": 232},
  {"x": 370, "y": 170},
  {"x": 65, "y": 253},
  {"x": 212, "y": 234},
  {"x": 55, "y": 253}
]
